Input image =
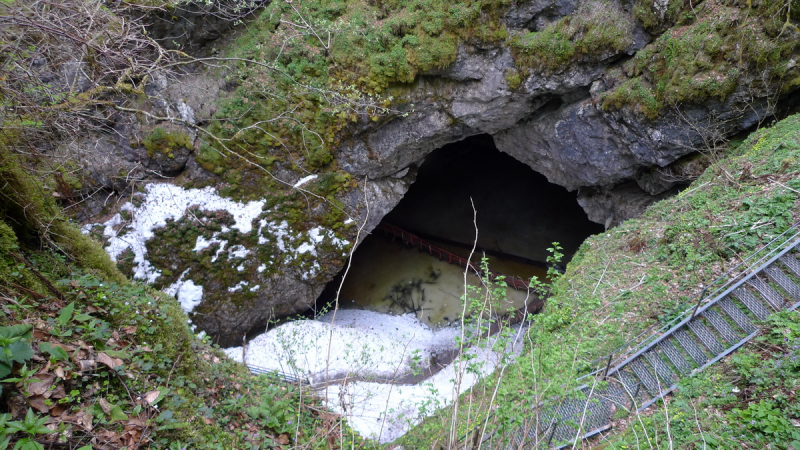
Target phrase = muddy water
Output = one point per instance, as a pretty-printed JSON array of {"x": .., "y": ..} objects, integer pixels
[{"x": 389, "y": 277}]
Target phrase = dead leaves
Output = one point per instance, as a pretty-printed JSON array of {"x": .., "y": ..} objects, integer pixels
[
  {"x": 150, "y": 397},
  {"x": 42, "y": 383},
  {"x": 112, "y": 363},
  {"x": 282, "y": 439},
  {"x": 59, "y": 388},
  {"x": 82, "y": 419}
]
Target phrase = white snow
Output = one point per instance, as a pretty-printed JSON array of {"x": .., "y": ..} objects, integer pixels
[
  {"x": 305, "y": 180},
  {"x": 186, "y": 112},
  {"x": 238, "y": 286},
  {"x": 364, "y": 344},
  {"x": 222, "y": 244},
  {"x": 187, "y": 292},
  {"x": 385, "y": 412},
  {"x": 163, "y": 201},
  {"x": 172, "y": 289},
  {"x": 361, "y": 342},
  {"x": 189, "y": 295},
  {"x": 202, "y": 244},
  {"x": 238, "y": 251},
  {"x": 306, "y": 247}
]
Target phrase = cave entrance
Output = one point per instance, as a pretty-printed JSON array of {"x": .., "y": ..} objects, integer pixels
[{"x": 519, "y": 215}]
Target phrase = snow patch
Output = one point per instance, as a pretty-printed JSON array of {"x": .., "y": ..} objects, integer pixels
[
  {"x": 186, "y": 112},
  {"x": 385, "y": 412},
  {"x": 188, "y": 294},
  {"x": 162, "y": 202},
  {"x": 238, "y": 251},
  {"x": 238, "y": 286},
  {"x": 361, "y": 342},
  {"x": 365, "y": 344},
  {"x": 305, "y": 180}
]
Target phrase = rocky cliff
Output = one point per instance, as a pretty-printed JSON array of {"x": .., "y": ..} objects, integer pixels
[{"x": 610, "y": 98}]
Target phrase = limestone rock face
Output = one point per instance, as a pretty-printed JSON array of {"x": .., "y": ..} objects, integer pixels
[
  {"x": 618, "y": 161},
  {"x": 535, "y": 14},
  {"x": 553, "y": 122}
]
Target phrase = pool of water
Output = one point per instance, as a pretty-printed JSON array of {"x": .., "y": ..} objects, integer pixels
[{"x": 389, "y": 277}]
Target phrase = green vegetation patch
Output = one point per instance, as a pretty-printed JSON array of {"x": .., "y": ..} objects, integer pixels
[
  {"x": 747, "y": 400},
  {"x": 119, "y": 365},
  {"x": 720, "y": 46},
  {"x": 640, "y": 274},
  {"x": 597, "y": 30},
  {"x": 307, "y": 71},
  {"x": 655, "y": 15},
  {"x": 166, "y": 142},
  {"x": 86, "y": 356},
  {"x": 646, "y": 270}
]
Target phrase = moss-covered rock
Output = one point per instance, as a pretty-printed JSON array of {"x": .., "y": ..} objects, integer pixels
[
  {"x": 717, "y": 48},
  {"x": 167, "y": 150},
  {"x": 595, "y": 31}
]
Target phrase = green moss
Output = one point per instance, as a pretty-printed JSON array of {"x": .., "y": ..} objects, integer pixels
[
  {"x": 85, "y": 251},
  {"x": 26, "y": 206},
  {"x": 654, "y": 20},
  {"x": 634, "y": 92},
  {"x": 722, "y": 47},
  {"x": 318, "y": 85},
  {"x": 165, "y": 142},
  {"x": 13, "y": 271},
  {"x": 597, "y": 29},
  {"x": 513, "y": 78}
]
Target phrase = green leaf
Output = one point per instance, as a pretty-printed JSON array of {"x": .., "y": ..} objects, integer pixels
[
  {"x": 165, "y": 415},
  {"x": 55, "y": 352},
  {"x": 65, "y": 333},
  {"x": 5, "y": 370},
  {"x": 65, "y": 314},
  {"x": 20, "y": 330},
  {"x": 15, "y": 426},
  {"x": 116, "y": 354},
  {"x": 21, "y": 351},
  {"x": 28, "y": 444},
  {"x": 117, "y": 413},
  {"x": 83, "y": 317}
]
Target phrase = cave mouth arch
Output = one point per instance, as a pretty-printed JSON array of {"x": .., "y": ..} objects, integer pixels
[{"x": 518, "y": 213}]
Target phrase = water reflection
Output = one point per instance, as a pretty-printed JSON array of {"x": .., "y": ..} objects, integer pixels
[{"x": 389, "y": 277}]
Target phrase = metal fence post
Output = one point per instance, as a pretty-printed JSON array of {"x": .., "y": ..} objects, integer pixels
[
  {"x": 608, "y": 365},
  {"x": 552, "y": 435}
]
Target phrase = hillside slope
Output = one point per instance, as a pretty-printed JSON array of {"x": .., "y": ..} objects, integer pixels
[
  {"x": 645, "y": 271},
  {"x": 90, "y": 360}
]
